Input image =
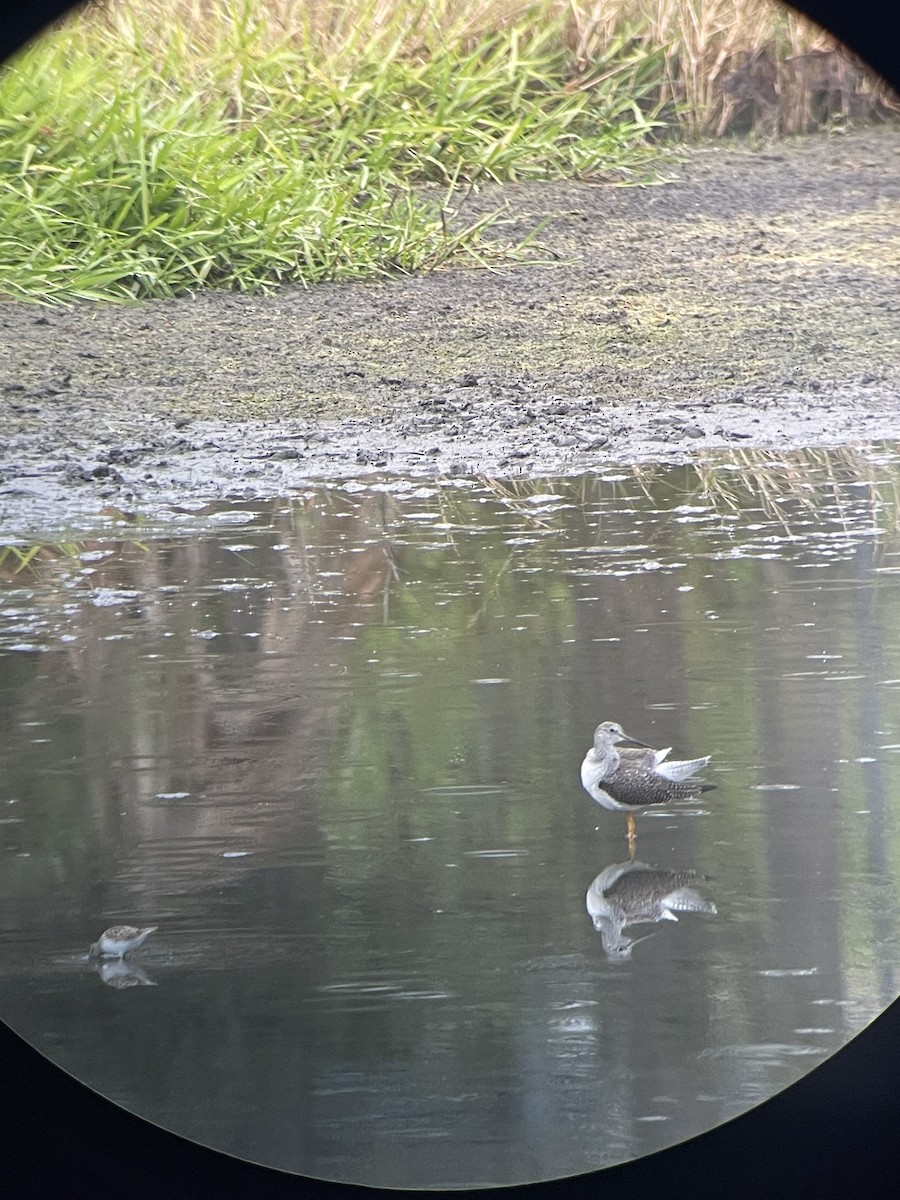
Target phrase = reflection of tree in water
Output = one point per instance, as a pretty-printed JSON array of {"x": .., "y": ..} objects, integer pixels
[
  {"x": 245, "y": 728},
  {"x": 593, "y": 597},
  {"x": 164, "y": 712},
  {"x": 348, "y": 730}
]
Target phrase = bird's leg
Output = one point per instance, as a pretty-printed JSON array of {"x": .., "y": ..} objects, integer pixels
[{"x": 632, "y": 837}]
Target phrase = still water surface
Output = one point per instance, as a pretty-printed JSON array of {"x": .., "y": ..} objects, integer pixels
[{"x": 330, "y": 744}]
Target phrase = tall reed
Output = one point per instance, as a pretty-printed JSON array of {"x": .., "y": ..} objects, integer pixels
[{"x": 151, "y": 147}]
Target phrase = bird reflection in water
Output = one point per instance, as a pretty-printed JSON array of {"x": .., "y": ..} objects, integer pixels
[
  {"x": 119, "y": 973},
  {"x": 632, "y": 893}
]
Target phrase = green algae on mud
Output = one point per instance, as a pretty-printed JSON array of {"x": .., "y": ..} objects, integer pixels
[{"x": 753, "y": 300}]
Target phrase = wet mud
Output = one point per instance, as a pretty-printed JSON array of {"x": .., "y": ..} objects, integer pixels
[{"x": 751, "y": 299}]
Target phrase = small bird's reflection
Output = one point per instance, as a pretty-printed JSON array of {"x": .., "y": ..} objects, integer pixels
[
  {"x": 118, "y": 973},
  {"x": 632, "y": 892}
]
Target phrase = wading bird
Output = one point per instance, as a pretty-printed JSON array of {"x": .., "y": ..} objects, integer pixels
[
  {"x": 120, "y": 940},
  {"x": 636, "y": 777}
]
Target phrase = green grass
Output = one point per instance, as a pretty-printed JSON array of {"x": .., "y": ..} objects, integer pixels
[
  {"x": 24, "y": 558},
  {"x": 134, "y": 166},
  {"x": 18, "y": 557}
]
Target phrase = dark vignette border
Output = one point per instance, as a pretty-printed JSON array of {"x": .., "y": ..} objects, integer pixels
[{"x": 833, "y": 1132}]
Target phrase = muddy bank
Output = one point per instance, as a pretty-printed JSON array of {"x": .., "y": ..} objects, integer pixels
[{"x": 751, "y": 300}]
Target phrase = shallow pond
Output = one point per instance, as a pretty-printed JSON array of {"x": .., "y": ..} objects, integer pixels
[{"x": 330, "y": 745}]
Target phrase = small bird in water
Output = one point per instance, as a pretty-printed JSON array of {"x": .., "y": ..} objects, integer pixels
[
  {"x": 120, "y": 940},
  {"x": 636, "y": 777},
  {"x": 632, "y": 893}
]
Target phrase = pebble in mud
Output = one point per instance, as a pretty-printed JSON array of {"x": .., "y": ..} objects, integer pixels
[{"x": 87, "y": 473}]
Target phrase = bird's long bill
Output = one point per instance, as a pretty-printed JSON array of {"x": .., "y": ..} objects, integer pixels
[
  {"x": 626, "y": 737},
  {"x": 646, "y": 937}
]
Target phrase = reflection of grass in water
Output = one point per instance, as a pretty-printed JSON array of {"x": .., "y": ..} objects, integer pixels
[
  {"x": 506, "y": 491},
  {"x": 16, "y": 558},
  {"x": 776, "y": 482}
]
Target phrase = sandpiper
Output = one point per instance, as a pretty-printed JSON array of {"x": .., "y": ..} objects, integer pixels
[
  {"x": 636, "y": 778},
  {"x": 633, "y": 892},
  {"x": 120, "y": 940}
]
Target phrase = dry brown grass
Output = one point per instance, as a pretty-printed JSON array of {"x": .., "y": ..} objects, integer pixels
[{"x": 731, "y": 65}]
